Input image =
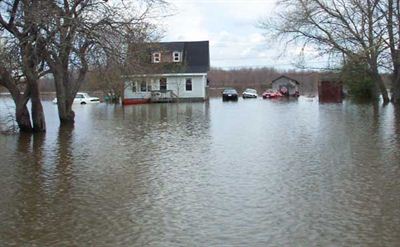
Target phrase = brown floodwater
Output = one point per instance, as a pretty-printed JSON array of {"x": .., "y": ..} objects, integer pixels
[{"x": 247, "y": 173}]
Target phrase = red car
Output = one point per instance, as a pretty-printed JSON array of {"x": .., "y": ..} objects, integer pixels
[{"x": 269, "y": 94}]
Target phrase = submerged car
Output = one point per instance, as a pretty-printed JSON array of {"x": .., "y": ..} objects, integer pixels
[
  {"x": 249, "y": 93},
  {"x": 229, "y": 94},
  {"x": 269, "y": 94},
  {"x": 83, "y": 99}
]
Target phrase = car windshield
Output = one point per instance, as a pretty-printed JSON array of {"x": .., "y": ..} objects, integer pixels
[
  {"x": 81, "y": 95},
  {"x": 230, "y": 90},
  {"x": 249, "y": 90}
]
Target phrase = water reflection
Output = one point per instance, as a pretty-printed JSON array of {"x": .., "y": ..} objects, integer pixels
[
  {"x": 63, "y": 177},
  {"x": 396, "y": 124},
  {"x": 253, "y": 173},
  {"x": 165, "y": 112},
  {"x": 28, "y": 194}
]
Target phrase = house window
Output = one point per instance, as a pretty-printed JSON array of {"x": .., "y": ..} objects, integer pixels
[
  {"x": 149, "y": 87},
  {"x": 143, "y": 86},
  {"x": 134, "y": 87},
  {"x": 189, "y": 84},
  {"x": 163, "y": 83},
  {"x": 156, "y": 57},
  {"x": 176, "y": 56}
]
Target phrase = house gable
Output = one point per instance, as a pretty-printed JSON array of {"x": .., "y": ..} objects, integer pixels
[
  {"x": 285, "y": 78},
  {"x": 172, "y": 57}
]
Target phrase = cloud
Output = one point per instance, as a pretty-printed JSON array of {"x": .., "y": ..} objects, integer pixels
[
  {"x": 231, "y": 28},
  {"x": 187, "y": 24}
]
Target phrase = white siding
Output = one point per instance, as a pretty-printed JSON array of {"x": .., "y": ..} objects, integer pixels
[
  {"x": 129, "y": 94},
  {"x": 176, "y": 83}
]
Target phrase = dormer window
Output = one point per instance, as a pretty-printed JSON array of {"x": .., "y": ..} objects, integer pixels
[
  {"x": 176, "y": 56},
  {"x": 156, "y": 57}
]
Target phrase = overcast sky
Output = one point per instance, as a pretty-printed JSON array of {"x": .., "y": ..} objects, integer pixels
[{"x": 231, "y": 28}]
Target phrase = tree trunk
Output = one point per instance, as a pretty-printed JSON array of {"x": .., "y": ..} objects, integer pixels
[
  {"x": 65, "y": 112},
  {"x": 23, "y": 118},
  {"x": 382, "y": 88},
  {"x": 396, "y": 90},
  {"x": 38, "y": 119},
  {"x": 22, "y": 115},
  {"x": 64, "y": 101},
  {"x": 379, "y": 83},
  {"x": 396, "y": 80}
]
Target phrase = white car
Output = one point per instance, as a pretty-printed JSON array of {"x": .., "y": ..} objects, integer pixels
[
  {"x": 249, "y": 93},
  {"x": 83, "y": 99}
]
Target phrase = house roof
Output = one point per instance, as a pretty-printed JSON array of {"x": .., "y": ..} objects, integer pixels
[
  {"x": 195, "y": 57},
  {"x": 286, "y": 77}
]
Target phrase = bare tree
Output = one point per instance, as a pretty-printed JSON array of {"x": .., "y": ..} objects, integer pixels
[
  {"x": 18, "y": 19},
  {"x": 22, "y": 115},
  {"x": 391, "y": 11},
  {"x": 106, "y": 78},
  {"x": 353, "y": 28},
  {"x": 77, "y": 28},
  {"x": 58, "y": 36}
]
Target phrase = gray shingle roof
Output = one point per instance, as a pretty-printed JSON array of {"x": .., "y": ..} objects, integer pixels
[
  {"x": 195, "y": 57},
  {"x": 286, "y": 77}
]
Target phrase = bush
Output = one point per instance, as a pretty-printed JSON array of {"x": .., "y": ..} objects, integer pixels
[{"x": 357, "y": 80}]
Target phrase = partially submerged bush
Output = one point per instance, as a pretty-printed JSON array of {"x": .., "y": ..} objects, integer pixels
[{"x": 357, "y": 80}]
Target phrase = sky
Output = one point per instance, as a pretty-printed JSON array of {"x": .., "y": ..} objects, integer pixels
[{"x": 232, "y": 27}]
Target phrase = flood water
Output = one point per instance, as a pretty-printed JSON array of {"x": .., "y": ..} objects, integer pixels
[{"x": 250, "y": 173}]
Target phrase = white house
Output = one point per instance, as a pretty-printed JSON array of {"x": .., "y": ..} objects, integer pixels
[{"x": 176, "y": 71}]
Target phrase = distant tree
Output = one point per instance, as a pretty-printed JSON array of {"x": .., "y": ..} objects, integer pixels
[
  {"x": 107, "y": 79},
  {"x": 356, "y": 78},
  {"x": 261, "y": 78},
  {"x": 108, "y": 68}
]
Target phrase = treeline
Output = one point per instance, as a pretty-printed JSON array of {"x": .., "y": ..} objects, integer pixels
[
  {"x": 258, "y": 78},
  {"x": 261, "y": 78}
]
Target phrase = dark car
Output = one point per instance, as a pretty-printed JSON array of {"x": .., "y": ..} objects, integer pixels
[{"x": 229, "y": 94}]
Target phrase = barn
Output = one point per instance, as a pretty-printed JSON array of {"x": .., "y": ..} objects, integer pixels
[{"x": 286, "y": 85}]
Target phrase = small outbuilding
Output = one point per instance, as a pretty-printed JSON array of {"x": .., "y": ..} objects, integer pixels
[
  {"x": 286, "y": 85},
  {"x": 330, "y": 91}
]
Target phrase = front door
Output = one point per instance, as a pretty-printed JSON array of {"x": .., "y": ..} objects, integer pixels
[{"x": 163, "y": 84}]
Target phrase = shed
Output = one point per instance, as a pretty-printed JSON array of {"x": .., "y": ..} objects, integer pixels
[
  {"x": 286, "y": 85},
  {"x": 330, "y": 91}
]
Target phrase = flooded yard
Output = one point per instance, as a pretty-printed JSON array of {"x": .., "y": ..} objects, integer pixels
[{"x": 247, "y": 173}]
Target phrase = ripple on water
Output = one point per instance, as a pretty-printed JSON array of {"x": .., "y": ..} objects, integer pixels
[{"x": 252, "y": 173}]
